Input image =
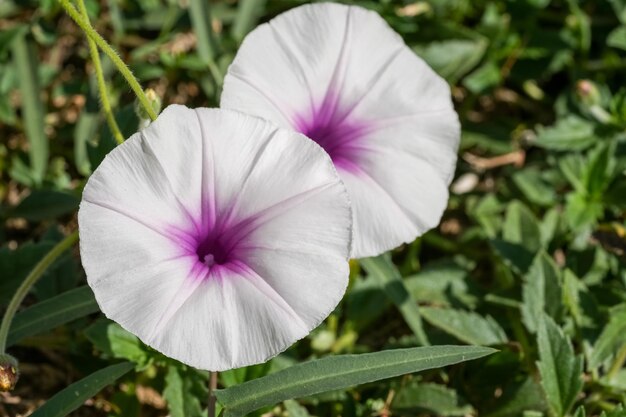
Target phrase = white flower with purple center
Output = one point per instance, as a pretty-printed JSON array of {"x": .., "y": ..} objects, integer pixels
[
  {"x": 341, "y": 76},
  {"x": 216, "y": 237}
]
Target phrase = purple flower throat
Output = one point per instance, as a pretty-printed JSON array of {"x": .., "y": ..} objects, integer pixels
[{"x": 335, "y": 131}]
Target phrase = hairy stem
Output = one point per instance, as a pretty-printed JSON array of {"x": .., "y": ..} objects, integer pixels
[
  {"x": 28, "y": 283},
  {"x": 108, "y": 50},
  {"x": 104, "y": 98}
]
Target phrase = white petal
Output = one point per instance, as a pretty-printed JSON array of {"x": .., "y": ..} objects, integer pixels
[
  {"x": 340, "y": 70},
  {"x": 216, "y": 180}
]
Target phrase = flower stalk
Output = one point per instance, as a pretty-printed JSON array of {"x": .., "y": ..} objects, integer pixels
[
  {"x": 28, "y": 283},
  {"x": 110, "y": 52},
  {"x": 104, "y": 98},
  {"x": 212, "y": 398}
]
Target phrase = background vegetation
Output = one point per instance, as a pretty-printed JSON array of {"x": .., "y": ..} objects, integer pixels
[{"x": 529, "y": 258}]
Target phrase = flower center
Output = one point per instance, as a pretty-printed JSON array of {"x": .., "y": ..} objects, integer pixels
[
  {"x": 211, "y": 251},
  {"x": 339, "y": 135}
]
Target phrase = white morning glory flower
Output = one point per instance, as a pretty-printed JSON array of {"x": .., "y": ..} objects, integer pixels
[
  {"x": 341, "y": 76},
  {"x": 216, "y": 237}
]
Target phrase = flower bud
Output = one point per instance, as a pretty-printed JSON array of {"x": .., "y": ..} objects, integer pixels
[
  {"x": 155, "y": 102},
  {"x": 9, "y": 372},
  {"x": 588, "y": 93}
]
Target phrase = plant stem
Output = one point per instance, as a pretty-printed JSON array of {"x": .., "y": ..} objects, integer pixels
[
  {"x": 212, "y": 398},
  {"x": 28, "y": 283},
  {"x": 104, "y": 98},
  {"x": 108, "y": 50}
]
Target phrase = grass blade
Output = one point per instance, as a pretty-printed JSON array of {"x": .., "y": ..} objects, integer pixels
[
  {"x": 72, "y": 397},
  {"x": 32, "y": 108},
  {"x": 248, "y": 14}
]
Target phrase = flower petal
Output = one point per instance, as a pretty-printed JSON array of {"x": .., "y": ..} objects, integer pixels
[
  {"x": 173, "y": 226},
  {"x": 349, "y": 82}
]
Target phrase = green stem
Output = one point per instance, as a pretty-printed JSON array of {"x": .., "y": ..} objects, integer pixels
[
  {"x": 106, "y": 48},
  {"x": 104, "y": 97},
  {"x": 28, "y": 283}
]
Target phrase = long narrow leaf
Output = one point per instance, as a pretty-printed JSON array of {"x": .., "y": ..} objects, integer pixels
[
  {"x": 248, "y": 13},
  {"x": 201, "y": 20},
  {"x": 26, "y": 65},
  {"x": 337, "y": 372},
  {"x": 72, "y": 397},
  {"x": 382, "y": 269},
  {"x": 51, "y": 313}
]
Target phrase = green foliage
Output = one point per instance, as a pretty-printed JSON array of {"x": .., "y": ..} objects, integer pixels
[
  {"x": 45, "y": 204},
  {"x": 530, "y": 256},
  {"x": 26, "y": 66},
  {"x": 52, "y": 313},
  {"x": 560, "y": 369},
  {"x": 541, "y": 292},
  {"x": 612, "y": 338},
  {"x": 468, "y": 327},
  {"x": 112, "y": 340},
  {"x": 432, "y": 398},
  {"x": 337, "y": 372},
  {"x": 75, "y": 395},
  {"x": 184, "y": 389},
  {"x": 390, "y": 279}
]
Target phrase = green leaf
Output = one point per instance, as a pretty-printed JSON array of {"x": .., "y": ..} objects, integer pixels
[
  {"x": 541, "y": 291},
  {"x": 579, "y": 302},
  {"x": 572, "y": 167},
  {"x": 16, "y": 264},
  {"x": 521, "y": 227},
  {"x": 442, "y": 283},
  {"x": 519, "y": 397},
  {"x": 86, "y": 130},
  {"x": 75, "y": 395},
  {"x": 382, "y": 269},
  {"x": 201, "y": 20},
  {"x": 580, "y": 412},
  {"x": 560, "y": 369},
  {"x": 483, "y": 78},
  {"x": 612, "y": 338},
  {"x": 466, "y": 326},
  {"x": 569, "y": 134},
  {"x": 534, "y": 188},
  {"x": 454, "y": 58},
  {"x": 178, "y": 393},
  {"x": 294, "y": 409},
  {"x": 514, "y": 255},
  {"x": 598, "y": 171},
  {"x": 45, "y": 204},
  {"x": 51, "y": 313},
  {"x": 549, "y": 226},
  {"x": 238, "y": 376},
  {"x": 619, "y": 6},
  {"x": 618, "y": 411},
  {"x": 32, "y": 109},
  {"x": 432, "y": 398},
  {"x": 581, "y": 211},
  {"x": 337, "y": 372},
  {"x": 115, "y": 341},
  {"x": 617, "y": 38},
  {"x": 248, "y": 14}
]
